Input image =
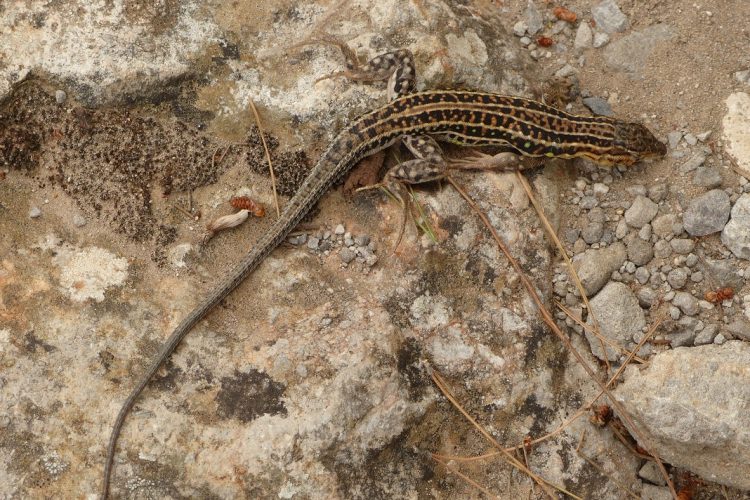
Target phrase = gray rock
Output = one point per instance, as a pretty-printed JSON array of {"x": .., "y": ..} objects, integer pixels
[
  {"x": 609, "y": 17},
  {"x": 519, "y": 29},
  {"x": 650, "y": 472},
  {"x": 682, "y": 246},
  {"x": 35, "y": 212},
  {"x": 706, "y": 336},
  {"x": 600, "y": 40},
  {"x": 570, "y": 235},
  {"x": 641, "y": 212},
  {"x": 691, "y": 406},
  {"x": 313, "y": 243},
  {"x": 662, "y": 225},
  {"x": 691, "y": 139},
  {"x": 653, "y": 492},
  {"x": 642, "y": 275},
  {"x": 339, "y": 230},
  {"x": 594, "y": 267},
  {"x": 724, "y": 273},
  {"x": 347, "y": 255},
  {"x": 592, "y": 233},
  {"x": 645, "y": 232},
  {"x": 640, "y": 252},
  {"x": 662, "y": 249},
  {"x": 719, "y": 339},
  {"x": 584, "y": 37},
  {"x": 630, "y": 53},
  {"x": 534, "y": 19},
  {"x": 694, "y": 162},
  {"x": 707, "y": 177},
  {"x": 621, "y": 230},
  {"x": 298, "y": 239},
  {"x": 619, "y": 317},
  {"x": 677, "y": 277},
  {"x": 646, "y": 296},
  {"x": 686, "y": 302},
  {"x": 598, "y": 105},
  {"x": 743, "y": 76},
  {"x": 707, "y": 213},
  {"x": 739, "y": 328},
  {"x": 673, "y": 138},
  {"x": 60, "y": 96},
  {"x": 566, "y": 71},
  {"x": 657, "y": 192},
  {"x": 736, "y": 234}
]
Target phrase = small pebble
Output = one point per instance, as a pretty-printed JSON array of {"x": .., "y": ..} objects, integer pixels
[
  {"x": 346, "y": 255},
  {"x": 691, "y": 139},
  {"x": 682, "y": 246},
  {"x": 642, "y": 274},
  {"x": 597, "y": 105},
  {"x": 519, "y": 29},
  {"x": 34, "y": 212},
  {"x": 60, "y": 96},
  {"x": 720, "y": 339},
  {"x": 299, "y": 239},
  {"x": 339, "y": 230},
  {"x": 362, "y": 241},
  {"x": 313, "y": 243},
  {"x": 600, "y": 40},
  {"x": 673, "y": 138},
  {"x": 79, "y": 220},
  {"x": 677, "y": 278}
]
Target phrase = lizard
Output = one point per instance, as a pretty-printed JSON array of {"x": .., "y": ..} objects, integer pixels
[{"x": 521, "y": 126}]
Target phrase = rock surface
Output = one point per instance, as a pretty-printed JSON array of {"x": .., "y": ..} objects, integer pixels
[
  {"x": 707, "y": 214},
  {"x": 736, "y": 234},
  {"x": 735, "y": 125},
  {"x": 619, "y": 317},
  {"x": 692, "y": 403}
]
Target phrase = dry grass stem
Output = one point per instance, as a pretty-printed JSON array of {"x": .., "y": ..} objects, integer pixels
[
  {"x": 549, "y": 320},
  {"x": 463, "y": 476},
  {"x": 268, "y": 157}
]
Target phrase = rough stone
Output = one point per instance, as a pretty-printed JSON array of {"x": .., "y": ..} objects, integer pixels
[
  {"x": 600, "y": 40},
  {"x": 631, "y": 52},
  {"x": 595, "y": 266},
  {"x": 677, "y": 277},
  {"x": 584, "y": 36},
  {"x": 735, "y": 125},
  {"x": 690, "y": 403},
  {"x": 646, "y": 296},
  {"x": 619, "y": 317},
  {"x": 707, "y": 214},
  {"x": 598, "y": 105},
  {"x": 686, "y": 302},
  {"x": 682, "y": 246},
  {"x": 640, "y": 252},
  {"x": 641, "y": 212},
  {"x": 693, "y": 163},
  {"x": 662, "y": 249},
  {"x": 736, "y": 234},
  {"x": 534, "y": 19},
  {"x": 707, "y": 177},
  {"x": 592, "y": 233},
  {"x": 662, "y": 225},
  {"x": 609, "y": 17}
]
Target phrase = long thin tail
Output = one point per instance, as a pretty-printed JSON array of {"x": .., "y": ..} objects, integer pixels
[{"x": 329, "y": 168}]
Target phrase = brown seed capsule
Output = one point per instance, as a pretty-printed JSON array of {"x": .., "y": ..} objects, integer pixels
[
  {"x": 564, "y": 14},
  {"x": 545, "y": 41},
  {"x": 245, "y": 203}
]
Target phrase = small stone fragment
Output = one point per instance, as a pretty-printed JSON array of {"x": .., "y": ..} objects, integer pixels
[
  {"x": 646, "y": 297},
  {"x": 598, "y": 106},
  {"x": 519, "y": 29},
  {"x": 736, "y": 234},
  {"x": 592, "y": 233},
  {"x": 706, "y": 336},
  {"x": 313, "y": 243},
  {"x": 662, "y": 249},
  {"x": 682, "y": 246},
  {"x": 619, "y": 317},
  {"x": 691, "y": 139},
  {"x": 339, "y": 230},
  {"x": 609, "y": 17},
  {"x": 79, "y": 220},
  {"x": 694, "y": 162},
  {"x": 642, "y": 274},
  {"x": 662, "y": 225},
  {"x": 657, "y": 192},
  {"x": 584, "y": 37},
  {"x": 534, "y": 19},
  {"x": 673, "y": 138},
  {"x": 640, "y": 252},
  {"x": 641, "y": 212},
  {"x": 594, "y": 267},
  {"x": 707, "y": 213},
  {"x": 707, "y": 177},
  {"x": 60, "y": 96},
  {"x": 677, "y": 278},
  {"x": 346, "y": 255},
  {"x": 600, "y": 40},
  {"x": 35, "y": 212},
  {"x": 686, "y": 302}
]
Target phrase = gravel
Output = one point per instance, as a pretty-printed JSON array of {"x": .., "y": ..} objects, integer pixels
[
  {"x": 686, "y": 302},
  {"x": 640, "y": 252},
  {"x": 682, "y": 246},
  {"x": 594, "y": 267},
  {"x": 707, "y": 177},
  {"x": 619, "y": 317},
  {"x": 694, "y": 162},
  {"x": 584, "y": 37},
  {"x": 598, "y": 105}
]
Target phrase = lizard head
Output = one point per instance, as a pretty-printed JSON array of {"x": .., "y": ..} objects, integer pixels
[{"x": 633, "y": 142}]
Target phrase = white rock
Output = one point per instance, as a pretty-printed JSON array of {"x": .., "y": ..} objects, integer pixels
[
  {"x": 736, "y": 124},
  {"x": 584, "y": 37}
]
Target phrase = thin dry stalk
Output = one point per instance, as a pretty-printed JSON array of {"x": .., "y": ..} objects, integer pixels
[
  {"x": 463, "y": 476},
  {"x": 543, "y": 483},
  {"x": 553, "y": 235},
  {"x": 268, "y": 157},
  {"x": 604, "y": 473},
  {"x": 549, "y": 320}
]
